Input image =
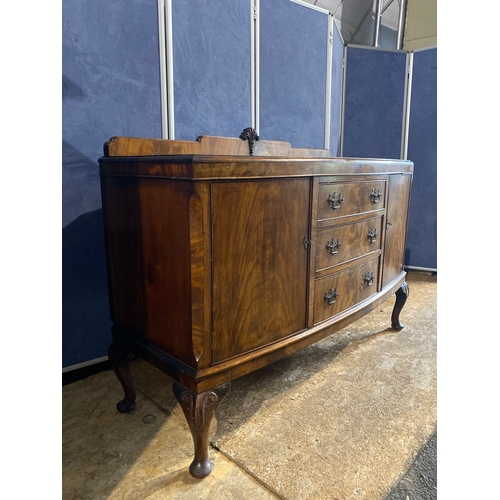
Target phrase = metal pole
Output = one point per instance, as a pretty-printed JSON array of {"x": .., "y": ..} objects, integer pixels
[
  {"x": 342, "y": 104},
  {"x": 401, "y": 24},
  {"x": 163, "y": 69},
  {"x": 328, "y": 93},
  {"x": 407, "y": 106},
  {"x": 254, "y": 63},
  {"x": 378, "y": 11},
  {"x": 170, "y": 69}
]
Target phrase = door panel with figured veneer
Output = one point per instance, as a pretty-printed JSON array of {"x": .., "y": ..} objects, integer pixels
[
  {"x": 395, "y": 237},
  {"x": 259, "y": 262}
]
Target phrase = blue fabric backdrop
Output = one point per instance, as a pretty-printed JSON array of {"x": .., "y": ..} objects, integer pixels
[
  {"x": 421, "y": 243},
  {"x": 292, "y": 73},
  {"x": 374, "y": 101},
  {"x": 111, "y": 86},
  {"x": 211, "y": 45}
]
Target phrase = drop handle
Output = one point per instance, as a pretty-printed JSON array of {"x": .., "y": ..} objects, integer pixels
[
  {"x": 372, "y": 235},
  {"x": 331, "y": 296},
  {"x": 333, "y": 246},
  {"x": 369, "y": 278},
  {"x": 375, "y": 195},
  {"x": 335, "y": 200},
  {"x": 387, "y": 224}
]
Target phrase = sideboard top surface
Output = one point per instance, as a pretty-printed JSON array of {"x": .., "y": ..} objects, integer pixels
[{"x": 211, "y": 158}]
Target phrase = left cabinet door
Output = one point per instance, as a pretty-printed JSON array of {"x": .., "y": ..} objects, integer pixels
[{"x": 260, "y": 262}]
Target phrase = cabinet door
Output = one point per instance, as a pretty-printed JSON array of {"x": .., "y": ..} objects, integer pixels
[
  {"x": 396, "y": 222},
  {"x": 259, "y": 262}
]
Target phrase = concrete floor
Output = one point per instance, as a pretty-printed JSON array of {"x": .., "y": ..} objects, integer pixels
[{"x": 343, "y": 419}]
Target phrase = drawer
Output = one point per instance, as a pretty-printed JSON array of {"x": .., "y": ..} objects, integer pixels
[
  {"x": 339, "y": 291},
  {"x": 347, "y": 198},
  {"x": 342, "y": 243}
]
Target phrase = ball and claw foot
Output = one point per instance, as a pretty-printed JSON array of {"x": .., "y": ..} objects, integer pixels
[{"x": 401, "y": 296}]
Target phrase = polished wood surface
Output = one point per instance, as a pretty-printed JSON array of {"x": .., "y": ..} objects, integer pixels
[
  {"x": 148, "y": 246},
  {"x": 396, "y": 222},
  {"x": 205, "y": 145},
  {"x": 346, "y": 242},
  {"x": 349, "y": 284},
  {"x": 260, "y": 263},
  {"x": 353, "y": 198},
  {"x": 222, "y": 259},
  {"x": 199, "y": 410}
]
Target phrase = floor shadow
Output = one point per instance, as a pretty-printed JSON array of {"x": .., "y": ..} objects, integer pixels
[
  {"x": 101, "y": 446},
  {"x": 251, "y": 393},
  {"x": 161, "y": 482},
  {"x": 254, "y": 391}
]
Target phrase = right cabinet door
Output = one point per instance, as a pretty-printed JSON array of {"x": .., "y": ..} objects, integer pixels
[{"x": 396, "y": 222}]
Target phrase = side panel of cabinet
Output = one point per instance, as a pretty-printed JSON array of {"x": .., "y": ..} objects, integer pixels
[
  {"x": 396, "y": 223},
  {"x": 259, "y": 262},
  {"x": 148, "y": 259}
]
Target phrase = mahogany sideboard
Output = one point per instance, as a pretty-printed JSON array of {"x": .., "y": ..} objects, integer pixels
[{"x": 227, "y": 254}]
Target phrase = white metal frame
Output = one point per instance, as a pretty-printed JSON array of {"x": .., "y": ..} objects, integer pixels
[
  {"x": 401, "y": 24},
  {"x": 311, "y": 6},
  {"x": 406, "y": 106},
  {"x": 425, "y": 269},
  {"x": 91, "y": 362},
  {"x": 379, "y": 10},
  {"x": 378, "y": 18},
  {"x": 163, "y": 68},
  {"x": 328, "y": 91},
  {"x": 255, "y": 62},
  {"x": 166, "y": 68},
  {"x": 342, "y": 104}
]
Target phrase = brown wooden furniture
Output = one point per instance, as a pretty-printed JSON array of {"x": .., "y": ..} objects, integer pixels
[{"x": 221, "y": 261}]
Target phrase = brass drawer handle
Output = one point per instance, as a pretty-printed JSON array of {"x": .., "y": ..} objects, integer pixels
[
  {"x": 372, "y": 235},
  {"x": 331, "y": 296},
  {"x": 333, "y": 246},
  {"x": 369, "y": 278},
  {"x": 376, "y": 195},
  {"x": 335, "y": 200}
]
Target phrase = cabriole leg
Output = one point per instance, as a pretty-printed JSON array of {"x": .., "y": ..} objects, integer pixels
[
  {"x": 199, "y": 410},
  {"x": 120, "y": 362},
  {"x": 401, "y": 296}
]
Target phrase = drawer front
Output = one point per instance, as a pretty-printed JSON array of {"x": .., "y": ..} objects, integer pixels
[
  {"x": 338, "y": 244},
  {"x": 339, "y": 291},
  {"x": 347, "y": 198}
]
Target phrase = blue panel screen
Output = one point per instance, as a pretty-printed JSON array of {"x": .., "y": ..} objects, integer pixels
[
  {"x": 292, "y": 73},
  {"x": 211, "y": 50},
  {"x": 422, "y": 150},
  {"x": 110, "y": 86},
  {"x": 374, "y": 101}
]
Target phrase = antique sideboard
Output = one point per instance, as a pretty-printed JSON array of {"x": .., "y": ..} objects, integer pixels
[{"x": 227, "y": 254}]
